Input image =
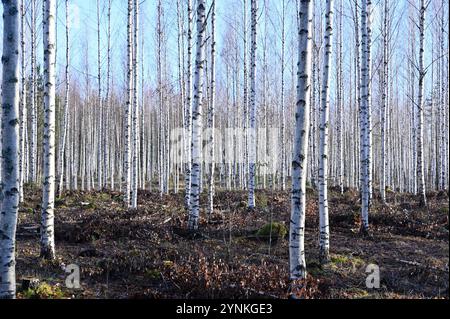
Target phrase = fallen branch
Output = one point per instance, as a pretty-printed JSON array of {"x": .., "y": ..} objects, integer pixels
[{"x": 417, "y": 264}]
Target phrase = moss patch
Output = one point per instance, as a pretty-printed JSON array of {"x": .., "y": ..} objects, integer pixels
[
  {"x": 274, "y": 229},
  {"x": 43, "y": 291}
]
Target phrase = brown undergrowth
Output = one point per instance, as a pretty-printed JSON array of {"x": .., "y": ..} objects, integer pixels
[{"x": 147, "y": 253}]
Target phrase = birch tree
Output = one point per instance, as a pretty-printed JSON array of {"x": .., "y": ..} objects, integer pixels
[
  {"x": 384, "y": 100},
  {"x": 128, "y": 107},
  {"x": 252, "y": 115},
  {"x": 339, "y": 108},
  {"x": 443, "y": 150},
  {"x": 297, "y": 260},
  {"x": 196, "y": 147},
  {"x": 66, "y": 106},
  {"x": 23, "y": 102},
  {"x": 108, "y": 154},
  {"x": 324, "y": 238},
  {"x": 135, "y": 117},
  {"x": 365, "y": 109},
  {"x": 48, "y": 196},
  {"x": 211, "y": 113},
  {"x": 420, "y": 107},
  {"x": 283, "y": 112},
  {"x": 33, "y": 151},
  {"x": 9, "y": 195},
  {"x": 188, "y": 109}
]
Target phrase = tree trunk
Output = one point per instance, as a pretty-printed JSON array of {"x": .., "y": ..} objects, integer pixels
[
  {"x": 300, "y": 154},
  {"x": 135, "y": 128},
  {"x": 420, "y": 109},
  {"x": 366, "y": 147},
  {"x": 196, "y": 150},
  {"x": 10, "y": 148},
  {"x": 211, "y": 113},
  {"x": 128, "y": 108},
  {"x": 66, "y": 108},
  {"x": 252, "y": 115},
  {"x": 48, "y": 196},
  {"x": 324, "y": 238}
]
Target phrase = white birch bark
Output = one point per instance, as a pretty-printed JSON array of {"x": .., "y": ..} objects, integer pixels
[
  {"x": 420, "y": 109},
  {"x": 340, "y": 110},
  {"x": 297, "y": 260},
  {"x": 109, "y": 154},
  {"x": 48, "y": 196},
  {"x": 245, "y": 121},
  {"x": 442, "y": 130},
  {"x": 384, "y": 101},
  {"x": 66, "y": 107},
  {"x": 283, "y": 113},
  {"x": 196, "y": 147},
  {"x": 33, "y": 151},
  {"x": 135, "y": 128},
  {"x": 188, "y": 110},
  {"x": 324, "y": 238},
  {"x": 252, "y": 113},
  {"x": 128, "y": 107},
  {"x": 101, "y": 117},
  {"x": 23, "y": 102},
  {"x": 211, "y": 113},
  {"x": 9, "y": 195},
  {"x": 366, "y": 7}
]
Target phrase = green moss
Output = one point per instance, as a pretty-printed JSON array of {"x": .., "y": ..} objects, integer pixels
[
  {"x": 309, "y": 188},
  {"x": 28, "y": 210},
  {"x": 347, "y": 260},
  {"x": 315, "y": 269},
  {"x": 153, "y": 274},
  {"x": 262, "y": 201},
  {"x": 59, "y": 202},
  {"x": 117, "y": 198},
  {"x": 444, "y": 210},
  {"x": 242, "y": 204},
  {"x": 358, "y": 293},
  {"x": 275, "y": 229},
  {"x": 339, "y": 259},
  {"x": 43, "y": 291},
  {"x": 104, "y": 197}
]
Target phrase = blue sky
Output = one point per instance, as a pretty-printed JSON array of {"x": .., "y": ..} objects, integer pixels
[{"x": 83, "y": 38}]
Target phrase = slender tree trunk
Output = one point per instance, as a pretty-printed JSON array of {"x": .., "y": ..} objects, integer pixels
[
  {"x": 366, "y": 7},
  {"x": 23, "y": 103},
  {"x": 48, "y": 196},
  {"x": 64, "y": 126},
  {"x": 108, "y": 101},
  {"x": 10, "y": 148},
  {"x": 33, "y": 157},
  {"x": 188, "y": 110},
  {"x": 252, "y": 115},
  {"x": 135, "y": 128},
  {"x": 384, "y": 101},
  {"x": 283, "y": 115},
  {"x": 196, "y": 150},
  {"x": 300, "y": 154},
  {"x": 340, "y": 109},
  {"x": 324, "y": 238},
  {"x": 128, "y": 108},
  {"x": 101, "y": 115},
  {"x": 211, "y": 113},
  {"x": 420, "y": 109},
  {"x": 443, "y": 132}
]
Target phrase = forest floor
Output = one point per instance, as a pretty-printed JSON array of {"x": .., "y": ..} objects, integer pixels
[{"x": 146, "y": 253}]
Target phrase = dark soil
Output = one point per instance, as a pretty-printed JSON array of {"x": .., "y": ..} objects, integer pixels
[{"x": 147, "y": 253}]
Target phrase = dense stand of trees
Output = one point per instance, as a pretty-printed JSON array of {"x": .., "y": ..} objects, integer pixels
[{"x": 284, "y": 95}]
